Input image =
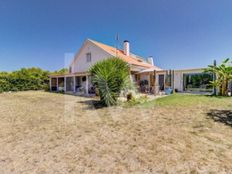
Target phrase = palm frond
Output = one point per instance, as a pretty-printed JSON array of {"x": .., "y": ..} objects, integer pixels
[{"x": 110, "y": 77}]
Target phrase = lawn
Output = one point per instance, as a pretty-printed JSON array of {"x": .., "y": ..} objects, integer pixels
[{"x": 54, "y": 133}]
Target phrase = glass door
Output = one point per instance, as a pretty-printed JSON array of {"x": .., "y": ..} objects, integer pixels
[{"x": 161, "y": 82}]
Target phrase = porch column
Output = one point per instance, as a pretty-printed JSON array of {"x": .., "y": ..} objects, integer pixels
[
  {"x": 214, "y": 79},
  {"x": 131, "y": 78},
  {"x": 74, "y": 84},
  {"x": 50, "y": 83},
  {"x": 173, "y": 80},
  {"x": 64, "y": 84},
  {"x": 57, "y": 85},
  {"x": 87, "y": 85}
]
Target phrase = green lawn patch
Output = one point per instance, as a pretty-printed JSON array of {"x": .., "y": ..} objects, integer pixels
[{"x": 188, "y": 100}]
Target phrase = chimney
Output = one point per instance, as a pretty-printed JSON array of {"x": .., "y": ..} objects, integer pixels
[
  {"x": 126, "y": 47},
  {"x": 150, "y": 60}
]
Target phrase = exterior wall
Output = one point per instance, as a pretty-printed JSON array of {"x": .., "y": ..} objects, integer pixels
[
  {"x": 136, "y": 68},
  {"x": 80, "y": 63},
  {"x": 178, "y": 81},
  {"x": 145, "y": 77},
  {"x": 178, "y": 77}
]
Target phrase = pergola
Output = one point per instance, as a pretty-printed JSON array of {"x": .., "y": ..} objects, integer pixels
[{"x": 152, "y": 77}]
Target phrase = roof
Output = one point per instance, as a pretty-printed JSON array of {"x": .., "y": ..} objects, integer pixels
[
  {"x": 154, "y": 68},
  {"x": 191, "y": 69},
  {"x": 69, "y": 74},
  {"x": 132, "y": 59}
]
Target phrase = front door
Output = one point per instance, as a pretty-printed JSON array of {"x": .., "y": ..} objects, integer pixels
[{"x": 161, "y": 82}]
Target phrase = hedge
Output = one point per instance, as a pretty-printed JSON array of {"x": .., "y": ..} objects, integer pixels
[{"x": 24, "y": 79}]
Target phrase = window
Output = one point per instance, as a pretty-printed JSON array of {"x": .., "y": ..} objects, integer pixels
[
  {"x": 88, "y": 57},
  {"x": 198, "y": 82}
]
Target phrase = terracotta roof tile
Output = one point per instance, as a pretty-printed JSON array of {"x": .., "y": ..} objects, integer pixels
[{"x": 129, "y": 59}]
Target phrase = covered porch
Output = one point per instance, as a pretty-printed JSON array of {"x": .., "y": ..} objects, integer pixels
[
  {"x": 78, "y": 83},
  {"x": 153, "y": 81}
]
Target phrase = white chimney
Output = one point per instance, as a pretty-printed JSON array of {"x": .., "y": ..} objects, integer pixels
[
  {"x": 150, "y": 60},
  {"x": 126, "y": 47}
]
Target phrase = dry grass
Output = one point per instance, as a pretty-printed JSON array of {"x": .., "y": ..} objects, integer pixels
[{"x": 53, "y": 133}]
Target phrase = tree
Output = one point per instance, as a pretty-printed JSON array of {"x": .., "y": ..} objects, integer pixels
[
  {"x": 61, "y": 71},
  {"x": 223, "y": 74},
  {"x": 110, "y": 76}
]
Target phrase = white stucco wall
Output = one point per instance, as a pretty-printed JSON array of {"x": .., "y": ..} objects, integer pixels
[
  {"x": 145, "y": 77},
  {"x": 178, "y": 80},
  {"x": 80, "y": 64}
]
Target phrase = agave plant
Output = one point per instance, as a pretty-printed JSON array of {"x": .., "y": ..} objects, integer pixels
[
  {"x": 110, "y": 76},
  {"x": 223, "y": 74}
]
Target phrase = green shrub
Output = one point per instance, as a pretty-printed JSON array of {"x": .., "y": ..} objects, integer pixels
[
  {"x": 223, "y": 73},
  {"x": 24, "y": 79},
  {"x": 110, "y": 77}
]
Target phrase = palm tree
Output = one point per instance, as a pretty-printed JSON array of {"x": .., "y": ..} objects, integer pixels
[
  {"x": 110, "y": 76},
  {"x": 223, "y": 74}
]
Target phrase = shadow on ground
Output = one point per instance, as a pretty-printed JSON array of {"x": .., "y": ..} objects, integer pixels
[
  {"x": 92, "y": 104},
  {"x": 223, "y": 116}
]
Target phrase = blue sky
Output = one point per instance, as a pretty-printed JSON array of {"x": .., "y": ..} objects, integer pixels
[{"x": 177, "y": 33}]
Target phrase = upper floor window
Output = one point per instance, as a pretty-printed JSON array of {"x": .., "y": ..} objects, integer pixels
[
  {"x": 70, "y": 69},
  {"x": 88, "y": 57}
]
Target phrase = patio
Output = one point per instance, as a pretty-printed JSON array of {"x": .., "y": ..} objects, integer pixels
[{"x": 149, "y": 81}]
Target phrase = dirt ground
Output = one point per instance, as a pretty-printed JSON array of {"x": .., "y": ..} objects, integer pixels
[{"x": 54, "y": 133}]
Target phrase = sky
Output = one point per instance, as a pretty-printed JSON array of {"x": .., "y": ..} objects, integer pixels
[{"x": 179, "y": 34}]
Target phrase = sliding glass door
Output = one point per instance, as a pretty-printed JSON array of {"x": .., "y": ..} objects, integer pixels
[{"x": 197, "y": 82}]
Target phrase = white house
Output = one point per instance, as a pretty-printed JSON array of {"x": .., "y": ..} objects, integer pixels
[
  {"x": 147, "y": 76},
  {"x": 78, "y": 79}
]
